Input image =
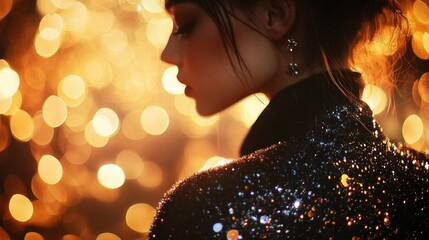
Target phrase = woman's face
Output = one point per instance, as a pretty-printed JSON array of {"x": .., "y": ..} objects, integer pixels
[{"x": 196, "y": 48}]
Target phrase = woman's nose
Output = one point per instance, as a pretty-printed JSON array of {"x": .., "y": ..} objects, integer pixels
[{"x": 171, "y": 52}]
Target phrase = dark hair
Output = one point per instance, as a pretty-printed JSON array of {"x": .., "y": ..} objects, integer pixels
[{"x": 336, "y": 25}]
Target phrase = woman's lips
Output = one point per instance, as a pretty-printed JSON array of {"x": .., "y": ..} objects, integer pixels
[{"x": 188, "y": 91}]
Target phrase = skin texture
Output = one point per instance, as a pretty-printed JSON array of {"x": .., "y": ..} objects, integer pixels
[{"x": 195, "y": 47}]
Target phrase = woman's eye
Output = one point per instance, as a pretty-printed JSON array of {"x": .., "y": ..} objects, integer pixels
[{"x": 185, "y": 30}]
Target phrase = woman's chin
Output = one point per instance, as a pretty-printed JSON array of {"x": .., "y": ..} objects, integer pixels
[{"x": 207, "y": 111}]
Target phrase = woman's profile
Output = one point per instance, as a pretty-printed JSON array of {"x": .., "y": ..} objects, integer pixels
[{"x": 315, "y": 165}]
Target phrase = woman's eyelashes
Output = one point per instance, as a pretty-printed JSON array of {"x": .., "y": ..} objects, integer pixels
[{"x": 184, "y": 30}]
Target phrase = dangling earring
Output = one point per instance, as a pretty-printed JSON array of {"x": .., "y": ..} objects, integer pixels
[{"x": 293, "y": 68}]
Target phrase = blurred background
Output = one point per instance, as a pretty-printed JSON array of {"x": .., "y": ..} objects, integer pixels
[{"x": 94, "y": 128}]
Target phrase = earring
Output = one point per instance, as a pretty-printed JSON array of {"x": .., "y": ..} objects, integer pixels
[{"x": 293, "y": 68}]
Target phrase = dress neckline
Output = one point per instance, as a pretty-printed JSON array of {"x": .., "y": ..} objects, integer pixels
[{"x": 295, "y": 109}]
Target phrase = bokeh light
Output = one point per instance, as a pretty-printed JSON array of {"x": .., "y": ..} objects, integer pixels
[
  {"x": 131, "y": 163},
  {"x": 423, "y": 87},
  {"x": 214, "y": 162},
  {"x": 72, "y": 89},
  {"x": 412, "y": 130},
  {"x": 153, "y": 6},
  {"x": 139, "y": 217},
  {"x": 54, "y": 111},
  {"x": 93, "y": 138},
  {"x": 21, "y": 125},
  {"x": 151, "y": 176},
  {"x": 170, "y": 82},
  {"x": 375, "y": 97},
  {"x": 107, "y": 236},
  {"x": 42, "y": 133},
  {"x": 105, "y": 122},
  {"x": 9, "y": 82},
  {"x": 50, "y": 169},
  {"x": 5, "y": 7},
  {"x": 33, "y": 236},
  {"x": 20, "y": 207},
  {"x": 158, "y": 31},
  {"x": 155, "y": 120},
  {"x": 111, "y": 176},
  {"x": 95, "y": 128}
]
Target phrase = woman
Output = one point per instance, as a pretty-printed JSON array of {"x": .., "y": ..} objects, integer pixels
[{"x": 316, "y": 165}]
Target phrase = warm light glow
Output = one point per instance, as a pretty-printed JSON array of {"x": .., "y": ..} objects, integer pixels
[
  {"x": 51, "y": 26},
  {"x": 425, "y": 41},
  {"x": 16, "y": 104},
  {"x": 184, "y": 105},
  {"x": 202, "y": 120},
  {"x": 63, "y": 4},
  {"x": 153, "y": 6},
  {"x": 3, "y": 234},
  {"x": 170, "y": 82},
  {"x": 131, "y": 163},
  {"x": 54, "y": 111},
  {"x": 412, "y": 129},
  {"x": 21, "y": 125},
  {"x": 214, "y": 162},
  {"x": 251, "y": 107},
  {"x": 42, "y": 134},
  {"x": 73, "y": 86},
  {"x": 105, "y": 122},
  {"x": 158, "y": 31},
  {"x": 97, "y": 72},
  {"x": 421, "y": 11},
  {"x": 46, "y": 6},
  {"x": 93, "y": 137},
  {"x": 33, "y": 236},
  {"x": 20, "y": 208},
  {"x": 155, "y": 120},
  {"x": 140, "y": 216},
  {"x": 384, "y": 43},
  {"x": 5, "y": 7},
  {"x": 79, "y": 116},
  {"x": 195, "y": 155},
  {"x": 47, "y": 46},
  {"x": 418, "y": 46},
  {"x": 111, "y": 176},
  {"x": 5, "y": 104},
  {"x": 107, "y": 236},
  {"x": 50, "y": 169},
  {"x": 151, "y": 176},
  {"x": 9, "y": 83},
  {"x": 75, "y": 16},
  {"x": 423, "y": 87},
  {"x": 375, "y": 98},
  {"x": 115, "y": 40},
  {"x": 131, "y": 126},
  {"x": 91, "y": 118}
]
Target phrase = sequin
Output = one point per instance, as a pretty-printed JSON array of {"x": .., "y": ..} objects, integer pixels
[
  {"x": 343, "y": 179},
  {"x": 217, "y": 227}
]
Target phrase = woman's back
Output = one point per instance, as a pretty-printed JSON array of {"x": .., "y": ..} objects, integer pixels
[{"x": 343, "y": 179}]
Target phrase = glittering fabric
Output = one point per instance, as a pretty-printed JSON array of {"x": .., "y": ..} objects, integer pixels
[{"x": 343, "y": 179}]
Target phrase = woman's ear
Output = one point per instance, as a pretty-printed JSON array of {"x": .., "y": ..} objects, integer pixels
[{"x": 279, "y": 17}]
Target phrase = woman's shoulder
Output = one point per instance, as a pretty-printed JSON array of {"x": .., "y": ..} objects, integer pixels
[
  {"x": 193, "y": 206},
  {"x": 308, "y": 183}
]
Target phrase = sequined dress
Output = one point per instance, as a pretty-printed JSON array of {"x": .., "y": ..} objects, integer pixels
[{"x": 341, "y": 178}]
